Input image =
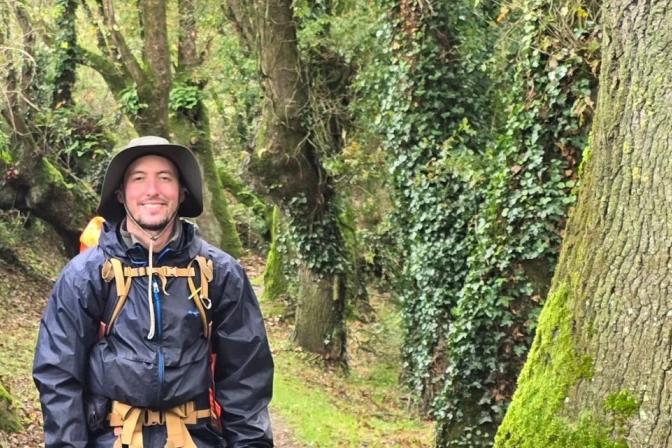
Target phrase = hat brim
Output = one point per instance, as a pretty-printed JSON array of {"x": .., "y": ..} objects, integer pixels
[{"x": 185, "y": 162}]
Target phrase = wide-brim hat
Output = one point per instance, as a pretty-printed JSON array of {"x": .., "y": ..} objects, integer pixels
[{"x": 185, "y": 162}]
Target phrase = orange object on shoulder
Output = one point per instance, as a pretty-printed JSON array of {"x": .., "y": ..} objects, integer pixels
[{"x": 91, "y": 233}]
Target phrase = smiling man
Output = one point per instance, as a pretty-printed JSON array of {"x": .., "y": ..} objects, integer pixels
[{"x": 153, "y": 338}]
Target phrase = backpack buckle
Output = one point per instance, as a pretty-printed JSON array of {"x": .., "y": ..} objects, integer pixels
[
  {"x": 169, "y": 271},
  {"x": 154, "y": 418}
]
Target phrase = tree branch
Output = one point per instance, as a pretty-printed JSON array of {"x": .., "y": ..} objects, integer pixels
[
  {"x": 127, "y": 58},
  {"x": 28, "y": 66},
  {"x": 187, "y": 58},
  {"x": 238, "y": 12},
  {"x": 101, "y": 41},
  {"x": 115, "y": 80}
]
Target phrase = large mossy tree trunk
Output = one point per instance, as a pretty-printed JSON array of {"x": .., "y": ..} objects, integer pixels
[
  {"x": 598, "y": 371},
  {"x": 153, "y": 80},
  {"x": 285, "y": 166}
]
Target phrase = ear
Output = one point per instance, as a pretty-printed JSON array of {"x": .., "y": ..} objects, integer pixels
[
  {"x": 183, "y": 194},
  {"x": 120, "y": 196}
]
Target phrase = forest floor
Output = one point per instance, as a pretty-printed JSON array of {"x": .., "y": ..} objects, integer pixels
[{"x": 313, "y": 406}]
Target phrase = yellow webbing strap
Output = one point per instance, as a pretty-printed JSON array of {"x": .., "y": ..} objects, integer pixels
[
  {"x": 113, "y": 268},
  {"x": 200, "y": 295},
  {"x": 166, "y": 271},
  {"x": 162, "y": 272},
  {"x": 124, "y": 274},
  {"x": 131, "y": 421}
]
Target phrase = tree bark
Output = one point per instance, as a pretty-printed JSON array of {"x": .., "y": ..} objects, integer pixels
[
  {"x": 319, "y": 325},
  {"x": 192, "y": 129},
  {"x": 285, "y": 166},
  {"x": 66, "y": 42},
  {"x": 191, "y": 125},
  {"x": 599, "y": 369}
]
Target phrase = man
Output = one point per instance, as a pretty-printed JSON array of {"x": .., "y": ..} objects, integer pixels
[{"x": 123, "y": 351}]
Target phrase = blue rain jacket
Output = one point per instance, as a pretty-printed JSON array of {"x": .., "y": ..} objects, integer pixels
[{"x": 78, "y": 374}]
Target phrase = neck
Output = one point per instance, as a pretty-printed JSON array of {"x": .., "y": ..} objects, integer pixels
[{"x": 161, "y": 237}]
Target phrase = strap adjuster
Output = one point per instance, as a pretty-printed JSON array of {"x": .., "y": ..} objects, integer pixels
[
  {"x": 169, "y": 271},
  {"x": 153, "y": 418}
]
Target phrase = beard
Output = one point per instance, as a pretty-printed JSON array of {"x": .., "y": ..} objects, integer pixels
[{"x": 153, "y": 227}]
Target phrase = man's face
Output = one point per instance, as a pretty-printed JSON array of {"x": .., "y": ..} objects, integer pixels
[{"x": 152, "y": 191}]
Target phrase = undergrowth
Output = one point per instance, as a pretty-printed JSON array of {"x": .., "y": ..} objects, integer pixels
[{"x": 365, "y": 408}]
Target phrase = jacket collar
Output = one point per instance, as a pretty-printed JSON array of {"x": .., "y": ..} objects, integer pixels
[{"x": 189, "y": 245}]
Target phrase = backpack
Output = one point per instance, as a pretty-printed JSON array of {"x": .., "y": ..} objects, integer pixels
[{"x": 113, "y": 269}]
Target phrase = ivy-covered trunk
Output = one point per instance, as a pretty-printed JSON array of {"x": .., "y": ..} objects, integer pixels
[
  {"x": 285, "y": 166},
  {"x": 597, "y": 373},
  {"x": 482, "y": 186}
]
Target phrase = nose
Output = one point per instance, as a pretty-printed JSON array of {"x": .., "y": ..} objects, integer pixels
[{"x": 152, "y": 187}]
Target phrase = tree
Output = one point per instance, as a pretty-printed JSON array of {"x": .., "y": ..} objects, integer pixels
[
  {"x": 32, "y": 182},
  {"x": 160, "y": 101},
  {"x": 596, "y": 375},
  {"x": 285, "y": 166}
]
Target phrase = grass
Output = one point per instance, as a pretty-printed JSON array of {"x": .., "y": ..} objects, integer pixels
[{"x": 367, "y": 408}]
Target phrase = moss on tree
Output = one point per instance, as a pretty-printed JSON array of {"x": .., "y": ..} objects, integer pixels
[
  {"x": 245, "y": 196},
  {"x": 555, "y": 364},
  {"x": 275, "y": 283},
  {"x": 8, "y": 418},
  {"x": 196, "y": 134}
]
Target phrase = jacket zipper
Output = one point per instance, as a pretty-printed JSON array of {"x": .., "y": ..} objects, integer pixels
[
  {"x": 159, "y": 325},
  {"x": 157, "y": 302}
]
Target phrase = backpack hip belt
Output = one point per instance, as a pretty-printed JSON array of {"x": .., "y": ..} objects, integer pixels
[{"x": 129, "y": 420}]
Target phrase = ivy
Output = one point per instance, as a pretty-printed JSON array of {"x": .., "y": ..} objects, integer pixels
[
  {"x": 129, "y": 102},
  {"x": 317, "y": 240},
  {"x": 482, "y": 185},
  {"x": 184, "y": 97}
]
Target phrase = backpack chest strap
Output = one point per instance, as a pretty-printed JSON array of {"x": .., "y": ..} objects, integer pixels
[
  {"x": 113, "y": 269},
  {"x": 165, "y": 271}
]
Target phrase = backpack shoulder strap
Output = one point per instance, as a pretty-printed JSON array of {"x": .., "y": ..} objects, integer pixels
[
  {"x": 201, "y": 295},
  {"x": 113, "y": 268}
]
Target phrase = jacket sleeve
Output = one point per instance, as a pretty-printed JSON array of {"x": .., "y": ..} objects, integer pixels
[
  {"x": 244, "y": 367},
  {"x": 67, "y": 331}
]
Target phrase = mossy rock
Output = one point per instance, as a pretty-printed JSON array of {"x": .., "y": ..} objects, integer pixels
[{"x": 9, "y": 421}]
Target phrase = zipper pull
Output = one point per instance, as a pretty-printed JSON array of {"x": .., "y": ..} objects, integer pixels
[{"x": 156, "y": 287}]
